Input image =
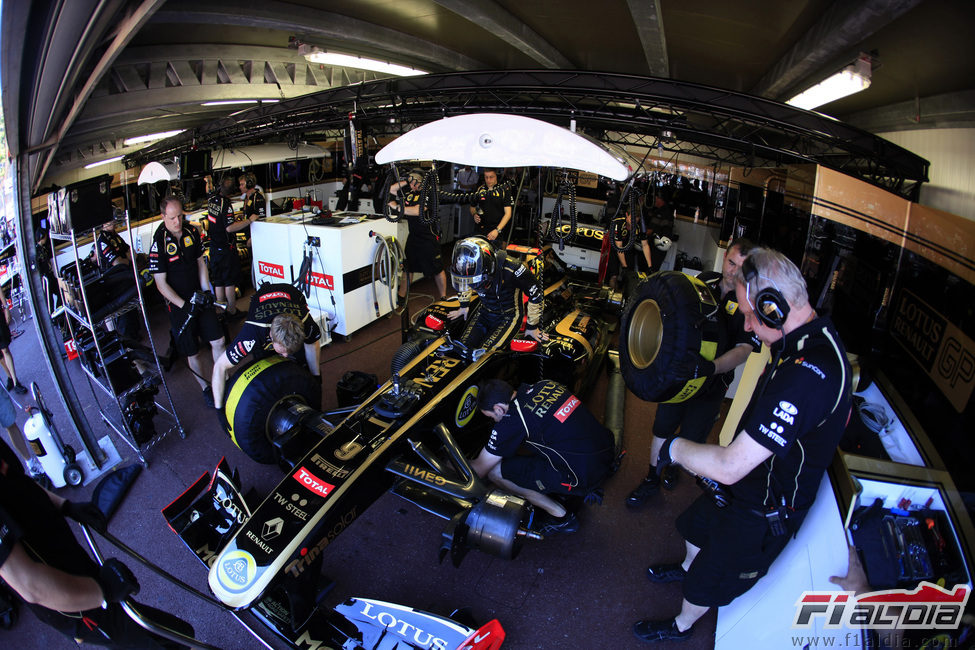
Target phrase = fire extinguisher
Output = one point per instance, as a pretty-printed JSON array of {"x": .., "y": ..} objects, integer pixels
[{"x": 57, "y": 459}]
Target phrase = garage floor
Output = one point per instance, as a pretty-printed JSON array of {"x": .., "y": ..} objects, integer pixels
[{"x": 583, "y": 590}]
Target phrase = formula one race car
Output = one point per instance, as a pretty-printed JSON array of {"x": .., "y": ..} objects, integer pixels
[{"x": 413, "y": 436}]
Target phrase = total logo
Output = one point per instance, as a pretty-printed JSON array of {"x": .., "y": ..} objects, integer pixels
[
  {"x": 312, "y": 482},
  {"x": 237, "y": 570},
  {"x": 322, "y": 281},
  {"x": 273, "y": 270},
  {"x": 786, "y": 411},
  {"x": 566, "y": 409}
]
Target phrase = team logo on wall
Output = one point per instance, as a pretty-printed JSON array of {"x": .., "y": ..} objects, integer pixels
[
  {"x": 466, "y": 407},
  {"x": 938, "y": 346}
]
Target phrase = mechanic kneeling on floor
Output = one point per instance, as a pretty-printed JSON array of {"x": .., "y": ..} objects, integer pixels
[
  {"x": 476, "y": 266},
  {"x": 569, "y": 451},
  {"x": 774, "y": 465},
  {"x": 278, "y": 321},
  {"x": 41, "y": 560}
]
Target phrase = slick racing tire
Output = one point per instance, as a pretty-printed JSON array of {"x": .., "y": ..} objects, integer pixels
[
  {"x": 669, "y": 316},
  {"x": 253, "y": 393}
]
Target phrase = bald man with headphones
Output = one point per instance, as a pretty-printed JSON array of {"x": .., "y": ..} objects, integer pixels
[{"x": 767, "y": 478}]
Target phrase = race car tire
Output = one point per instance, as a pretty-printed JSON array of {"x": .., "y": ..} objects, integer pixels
[
  {"x": 669, "y": 316},
  {"x": 406, "y": 353},
  {"x": 252, "y": 394}
]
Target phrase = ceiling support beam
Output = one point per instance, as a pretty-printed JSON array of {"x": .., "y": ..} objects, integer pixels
[
  {"x": 650, "y": 27},
  {"x": 497, "y": 20},
  {"x": 842, "y": 27},
  {"x": 127, "y": 29},
  {"x": 951, "y": 110},
  {"x": 310, "y": 24}
]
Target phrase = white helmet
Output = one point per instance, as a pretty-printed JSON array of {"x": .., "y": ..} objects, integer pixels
[{"x": 662, "y": 243}]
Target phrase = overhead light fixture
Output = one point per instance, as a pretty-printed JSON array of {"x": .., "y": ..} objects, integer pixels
[
  {"x": 103, "y": 162},
  {"x": 228, "y": 102},
  {"x": 151, "y": 137},
  {"x": 851, "y": 79},
  {"x": 317, "y": 55}
]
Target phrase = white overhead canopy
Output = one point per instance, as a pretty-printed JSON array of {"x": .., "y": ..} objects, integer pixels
[
  {"x": 158, "y": 171},
  {"x": 497, "y": 140}
]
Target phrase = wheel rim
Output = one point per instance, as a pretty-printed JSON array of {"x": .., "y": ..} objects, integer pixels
[{"x": 646, "y": 334}]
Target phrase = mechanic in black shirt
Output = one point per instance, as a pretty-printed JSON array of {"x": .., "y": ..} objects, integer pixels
[
  {"x": 627, "y": 268},
  {"x": 224, "y": 260},
  {"x": 696, "y": 416},
  {"x": 423, "y": 245},
  {"x": 491, "y": 205},
  {"x": 255, "y": 205},
  {"x": 499, "y": 282},
  {"x": 774, "y": 465},
  {"x": 112, "y": 249},
  {"x": 570, "y": 451},
  {"x": 179, "y": 270},
  {"x": 278, "y": 321},
  {"x": 41, "y": 560}
]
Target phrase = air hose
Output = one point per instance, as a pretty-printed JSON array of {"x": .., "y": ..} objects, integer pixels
[
  {"x": 555, "y": 223},
  {"x": 387, "y": 260},
  {"x": 632, "y": 195},
  {"x": 397, "y": 213}
]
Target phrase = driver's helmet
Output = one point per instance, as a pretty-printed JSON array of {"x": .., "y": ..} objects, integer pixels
[{"x": 472, "y": 264}]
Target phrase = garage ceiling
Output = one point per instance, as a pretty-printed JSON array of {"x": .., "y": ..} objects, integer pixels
[{"x": 90, "y": 73}]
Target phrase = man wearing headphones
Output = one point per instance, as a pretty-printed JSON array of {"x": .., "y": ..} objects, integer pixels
[
  {"x": 278, "y": 321},
  {"x": 696, "y": 416},
  {"x": 224, "y": 260},
  {"x": 422, "y": 245},
  {"x": 477, "y": 267},
  {"x": 255, "y": 205},
  {"x": 180, "y": 273},
  {"x": 773, "y": 467},
  {"x": 569, "y": 451}
]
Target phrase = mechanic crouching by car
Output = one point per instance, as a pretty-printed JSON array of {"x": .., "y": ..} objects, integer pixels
[
  {"x": 180, "y": 273},
  {"x": 767, "y": 478},
  {"x": 476, "y": 266},
  {"x": 568, "y": 451},
  {"x": 278, "y": 321}
]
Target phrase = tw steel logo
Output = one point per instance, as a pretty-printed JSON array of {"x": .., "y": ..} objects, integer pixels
[{"x": 274, "y": 270}]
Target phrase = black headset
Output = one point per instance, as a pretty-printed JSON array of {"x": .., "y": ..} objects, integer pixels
[
  {"x": 250, "y": 180},
  {"x": 770, "y": 305}
]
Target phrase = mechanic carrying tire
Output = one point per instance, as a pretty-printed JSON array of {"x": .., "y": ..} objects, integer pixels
[
  {"x": 670, "y": 315},
  {"x": 253, "y": 393}
]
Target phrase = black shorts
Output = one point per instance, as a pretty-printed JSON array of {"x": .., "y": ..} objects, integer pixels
[
  {"x": 536, "y": 473},
  {"x": 4, "y": 332},
  {"x": 423, "y": 256},
  {"x": 224, "y": 267},
  {"x": 694, "y": 417},
  {"x": 737, "y": 549},
  {"x": 205, "y": 327}
]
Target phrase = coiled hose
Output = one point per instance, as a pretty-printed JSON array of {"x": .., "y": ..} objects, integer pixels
[
  {"x": 393, "y": 214},
  {"x": 636, "y": 222},
  {"x": 555, "y": 223},
  {"x": 387, "y": 260}
]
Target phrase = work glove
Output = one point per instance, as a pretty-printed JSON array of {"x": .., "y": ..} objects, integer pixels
[
  {"x": 86, "y": 513},
  {"x": 694, "y": 366},
  {"x": 116, "y": 581}
]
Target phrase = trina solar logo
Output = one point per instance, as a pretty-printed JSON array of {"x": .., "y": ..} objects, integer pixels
[
  {"x": 926, "y": 607},
  {"x": 274, "y": 270}
]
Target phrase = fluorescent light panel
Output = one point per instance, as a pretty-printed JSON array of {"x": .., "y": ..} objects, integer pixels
[
  {"x": 103, "y": 162},
  {"x": 851, "y": 79},
  {"x": 151, "y": 137},
  {"x": 228, "y": 102},
  {"x": 362, "y": 63}
]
